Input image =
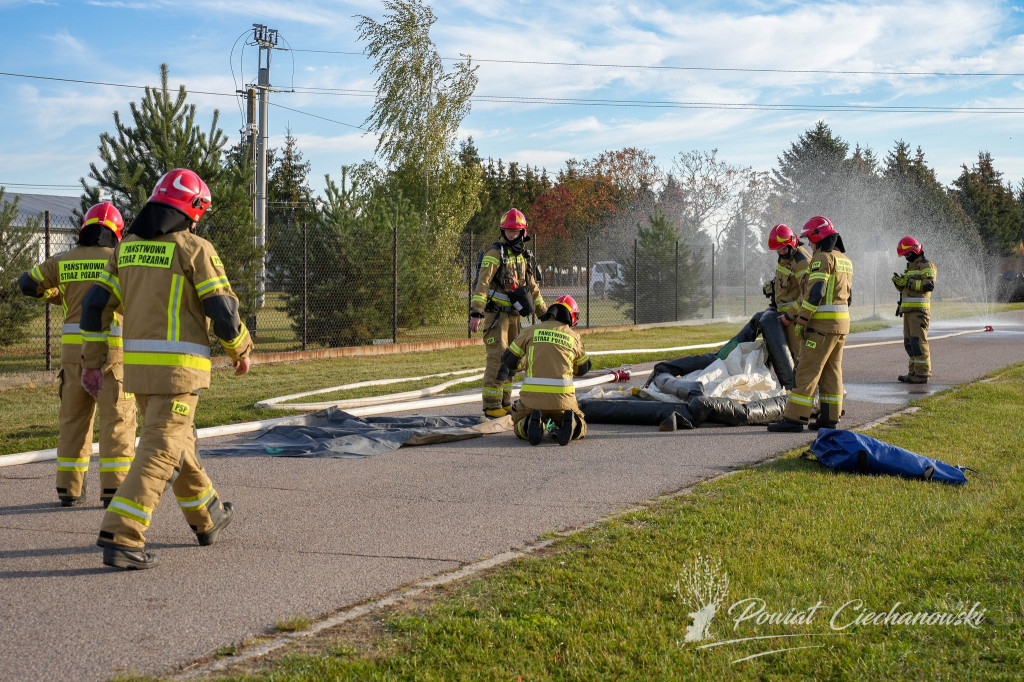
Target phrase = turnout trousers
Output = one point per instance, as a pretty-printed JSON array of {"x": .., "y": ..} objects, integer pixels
[
  {"x": 501, "y": 329},
  {"x": 821, "y": 368},
  {"x": 794, "y": 342},
  {"x": 74, "y": 444},
  {"x": 166, "y": 452},
  {"x": 521, "y": 412},
  {"x": 915, "y": 341}
]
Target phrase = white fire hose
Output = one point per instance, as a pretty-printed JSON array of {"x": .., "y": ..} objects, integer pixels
[{"x": 361, "y": 407}]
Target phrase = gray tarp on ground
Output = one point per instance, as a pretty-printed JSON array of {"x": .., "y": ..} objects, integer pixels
[{"x": 335, "y": 433}]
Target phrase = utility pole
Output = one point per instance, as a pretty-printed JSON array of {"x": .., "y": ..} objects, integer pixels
[{"x": 266, "y": 39}]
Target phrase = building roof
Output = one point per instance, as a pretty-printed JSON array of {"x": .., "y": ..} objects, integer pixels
[{"x": 34, "y": 205}]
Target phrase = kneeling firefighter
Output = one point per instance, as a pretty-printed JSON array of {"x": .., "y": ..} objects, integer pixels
[
  {"x": 915, "y": 285},
  {"x": 784, "y": 290},
  {"x": 72, "y": 274},
  {"x": 554, "y": 354},
  {"x": 507, "y": 290},
  {"x": 170, "y": 281}
]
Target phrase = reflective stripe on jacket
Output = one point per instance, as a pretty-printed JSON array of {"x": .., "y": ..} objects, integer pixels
[
  {"x": 553, "y": 353},
  {"x": 831, "y": 315},
  {"x": 163, "y": 283},
  {"x": 917, "y": 294},
  {"x": 73, "y": 273},
  {"x": 789, "y": 277},
  {"x": 489, "y": 290}
]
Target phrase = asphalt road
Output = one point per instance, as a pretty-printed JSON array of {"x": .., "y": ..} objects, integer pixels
[{"x": 311, "y": 536}]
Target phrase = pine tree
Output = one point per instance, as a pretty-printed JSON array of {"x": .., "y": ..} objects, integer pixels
[
  {"x": 290, "y": 206},
  {"x": 652, "y": 276},
  {"x": 990, "y": 205},
  {"x": 18, "y": 252},
  {"x": 810, "y": 177},
  {"x": 163, "y": 135}
]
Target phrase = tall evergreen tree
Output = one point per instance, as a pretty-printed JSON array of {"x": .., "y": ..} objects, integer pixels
[
  {"x": 290, "y": 206},
  {"x": 991, "y": 205},
  {"x": 652, "y": 277},
  {"x": 18, "y": 252},
  {"x": 810, "y": 176},
  {"x": 163, "y": 135}
]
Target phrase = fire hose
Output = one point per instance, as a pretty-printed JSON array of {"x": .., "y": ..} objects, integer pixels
[{"x": 374, "y": 405}]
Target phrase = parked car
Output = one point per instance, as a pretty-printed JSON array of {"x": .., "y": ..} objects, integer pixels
[{"x": 603, "y": 275}]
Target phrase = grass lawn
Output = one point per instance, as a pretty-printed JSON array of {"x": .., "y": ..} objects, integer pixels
[{"x": 601, "y": 604}]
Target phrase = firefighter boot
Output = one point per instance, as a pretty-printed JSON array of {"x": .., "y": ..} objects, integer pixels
[
  {"x": 820, "y": 423},
  {"x": 535, "y": 427},
  {"x": 70, "y": 500},
  {"x": 495, "y": 413},
  {"x": 568, "y": 427},
  {"x": 904, "y": 378},
  {"x": 123, "y": 556},
  {"x": 916, "y": 379},
  {"x": 221, "y": 520},
  {"x": 786, "y": 425}
]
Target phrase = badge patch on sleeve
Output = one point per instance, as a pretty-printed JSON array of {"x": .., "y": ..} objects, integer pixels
[
  {"x": 180, "y": 408},
  {"x": 816, "y": 265},
  {"x": 811, "y": 344},
  {"x": 217, "y": 262}
]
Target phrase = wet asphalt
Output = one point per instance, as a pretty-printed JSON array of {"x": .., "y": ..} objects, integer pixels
[{"x": 311, "y": 536}]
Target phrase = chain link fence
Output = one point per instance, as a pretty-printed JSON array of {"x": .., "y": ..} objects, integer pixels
[{"x": 324, "y": 290}]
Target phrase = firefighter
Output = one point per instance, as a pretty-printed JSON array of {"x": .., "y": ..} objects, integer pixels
[
  {"x": 784, "y": 290},
  {"x": 507, "y": 290},
  {"x": 915, "y": 286},
  {"x": 554, "y": 354},
  {"x": 822, "y": 319},
  {"x": 169, "y": 281},
  {"x": 71, "y": 274}
]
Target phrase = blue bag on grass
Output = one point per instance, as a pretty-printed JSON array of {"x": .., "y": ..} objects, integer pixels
[{"x": 849, "y": 451}]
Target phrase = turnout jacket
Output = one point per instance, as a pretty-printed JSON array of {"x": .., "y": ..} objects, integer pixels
[
  {"x": 789, "y": 274},
  {"x": 72, "y": 274},
  {"x": 491, "y": 292},
  {"x": 554, "y": 353},
  {"x": 824, "y": 302},
  {"x": 921, "y": 275},
  {"x": 168, "y": 285}
]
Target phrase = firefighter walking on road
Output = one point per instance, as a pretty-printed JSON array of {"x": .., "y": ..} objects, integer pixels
[
  {"x": 790, "y": 271},
  {"x": 554, "y": 354},
  {"x": 915, "y": 285},
  {"x": 822, "y": 320},
  {"x": 507, "y": 290},
  {"x": 170, "y": 281},
  {"x": 72, "y": 274}
]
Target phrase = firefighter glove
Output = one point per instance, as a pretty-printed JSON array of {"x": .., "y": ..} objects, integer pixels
[
  {"x": 899, "y": 280},
  {"x": 768, "y": 288},
  {"x": 799, "y": 331}
]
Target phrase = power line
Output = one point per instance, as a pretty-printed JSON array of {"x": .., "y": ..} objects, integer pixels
[
  {"x": 659, "y": 67},
  {"x": 113, "y": 85},
  {"x": 668, "y": 104}
]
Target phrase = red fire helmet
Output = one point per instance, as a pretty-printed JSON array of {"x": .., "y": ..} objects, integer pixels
[
  {"x": 780, "y": 237},
  {"x": 817, "y": 228},
  {"x": 909, "y": 245},
  {"x": 570, "y": 304},
  {"x": 183, "y": 190},
  {"x": 514, "y": 220},
  {"x": 104, "y": 214}
]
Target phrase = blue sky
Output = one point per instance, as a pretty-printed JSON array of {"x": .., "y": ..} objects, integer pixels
[{"x": 790, "y": 59}]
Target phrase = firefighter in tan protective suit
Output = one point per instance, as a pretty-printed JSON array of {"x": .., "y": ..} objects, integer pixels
[
  {"x": 822, "y": 319},
  {"x": 554, "y": 354},
  {"x": 506, "y": 291},
  {"x": 915, "y": 285},
  {"x": 72, "y": 274},
  {"x": 170, "y": 281},
  {"x": 790, "y": 271}
]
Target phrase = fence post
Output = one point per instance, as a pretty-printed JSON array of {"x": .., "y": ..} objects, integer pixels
[
  {"x": 305, "y": 288},
  {"x": 46, "y": 251},
  {"x": 677, "y": 280},
  {"x": 469, "y": 281},
  {"x": 636, "y": 275},
  {"x": 394, "y": 285},
  {"x": 586, "y": 281},
  {"x": 712, "y": 280}
]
